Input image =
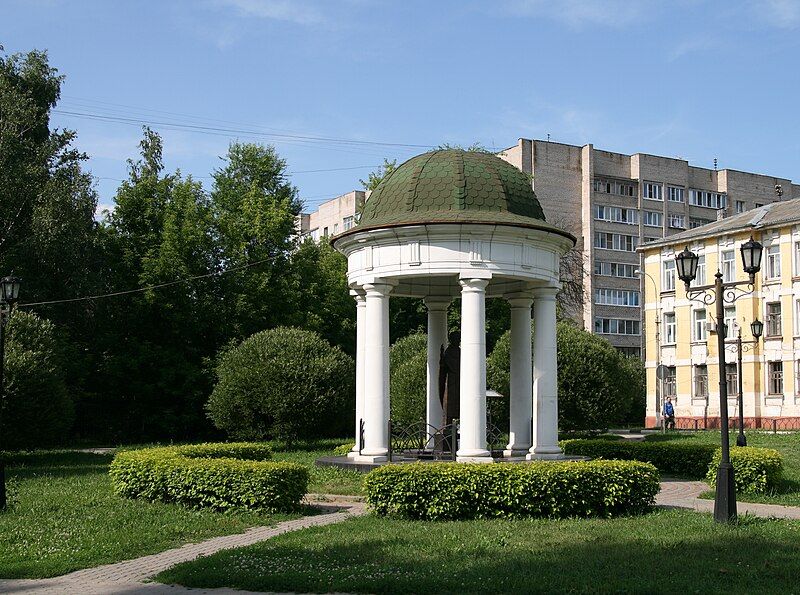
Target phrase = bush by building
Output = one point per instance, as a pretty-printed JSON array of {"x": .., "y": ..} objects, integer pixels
[
  {"x": 408, "y": 366},
  {"x": 283, "y": 383},
  {"x": 218, "y": 476},
  {"x": 450, "y": 491}
]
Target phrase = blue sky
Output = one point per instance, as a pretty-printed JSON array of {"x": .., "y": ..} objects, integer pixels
[{"x": 684, "y": 78}]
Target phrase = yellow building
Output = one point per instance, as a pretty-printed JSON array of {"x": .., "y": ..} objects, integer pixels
[{"x": 680, "y": 334}]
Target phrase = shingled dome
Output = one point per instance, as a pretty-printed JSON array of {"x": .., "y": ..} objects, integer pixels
[{"x": 453, "y": 186}]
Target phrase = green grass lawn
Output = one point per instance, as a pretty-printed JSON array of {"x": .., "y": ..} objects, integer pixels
[
  {"x": 666, "y": 551},
  {"x": 65, "y": 517},
  {"x": 788, "y": 494},
  {"x": 322, "y": 480}
]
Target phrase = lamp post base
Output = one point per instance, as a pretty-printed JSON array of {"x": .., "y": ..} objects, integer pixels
[
  {"x": 725, "y": 500},
  {"x": 741, "y": 440}
]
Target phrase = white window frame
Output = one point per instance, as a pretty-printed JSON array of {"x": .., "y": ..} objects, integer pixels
[
  {"x": 774, "y": 320},
  {"x": 675, "y": 194},
  {"x": 653, "y": 191},
  {"x": 775, "y": 377},
  {"x": 668, "y": 275},
  {"x": 730, "y": 322},
  {"x": 772, "y": 270},
  {"x": 699, "y": 328},
  {"x": 728, "y": 259},
  {"x": 670, "y": 328},
  {"x": 740, "y": 206},
  {"x": 677, "y": 221},
  {"x": 651, "y": 218}
]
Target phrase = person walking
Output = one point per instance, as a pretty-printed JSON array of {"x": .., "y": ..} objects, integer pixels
[{"x": 669, "y": 414}]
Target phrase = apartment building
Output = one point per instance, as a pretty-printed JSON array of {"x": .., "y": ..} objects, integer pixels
[
  {"x": 614, "y": 203},
  {"x": 331, "y": 217},
  {"x": 680, "y": 331}
]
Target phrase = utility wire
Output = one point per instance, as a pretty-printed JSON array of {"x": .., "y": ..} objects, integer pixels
[{"x": 148, "y": 287}]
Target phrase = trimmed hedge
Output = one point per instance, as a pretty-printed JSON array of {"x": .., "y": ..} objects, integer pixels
[
  {"x": 343, "y": 449},
  {"x": 450, "y": 491},
  {"x": 677, "y": 458},
  {"x": 756, "y": 470},
  {"x": 218, "y": 476}
]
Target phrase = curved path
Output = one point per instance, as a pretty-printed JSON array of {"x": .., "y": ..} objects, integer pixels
[{"x": 129, "y": 577}]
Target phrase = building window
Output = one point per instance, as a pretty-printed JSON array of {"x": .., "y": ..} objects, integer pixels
[
  {"x": 615, "y": 326},
  {"x": 774, "y": 319},
  {"x": 626, "y": 189},
  {"x": 700, "y": 277},
  {"x": 647, "y": 239},
  {"x": 728, "y": 266},
  {"x": 324, "y": 232},
  {"x": 710, "y": 200},
  {"x": 670, "y": 328},
  {"x": 670, "y": 384},
  {"x": 759, "y": 204},
  {"x": 797, "y": 259},
  {"x": 773, "y": 262},
  {"x": 630, "y": 351},
  {"x": 732, "y": 379},
  {"x": 314, "y": 233},
  {"x": 652, "y": 190},
  {"x": 616, "y": 297},
  {"x": 797, "y": 317},
  {"x": 668, "y": 275},
  {"x": 700, "y": 381},
  {"x": 730, "y": 321},
  {"x": 677, "y": 221},
  {"x": 740, "y": 206},
  {"x": 699, "y": 324},
  {"x": 675, "y": 194},
  {"x": 652, "y": 219},
  {"x": 615, "y": 269},
  {"x": 775, "y": 371},
  {"x": 797, "y": 377},
  {"x": 335, "y": 228},
  {"x": 616, "y": 214},
  {"x": 615, "y": 241},
  {"x": 348, "y": 222},
  {"x": 695, "y": 222}
]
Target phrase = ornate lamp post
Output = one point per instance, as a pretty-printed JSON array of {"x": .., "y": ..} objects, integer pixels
[
  {"x": 756, "y": 327},
  {"x": 9, "y": 293},
  {"x": 720, "y": 293}
]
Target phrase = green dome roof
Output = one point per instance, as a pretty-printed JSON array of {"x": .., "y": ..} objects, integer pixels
[{"x": 453, "y": 186}]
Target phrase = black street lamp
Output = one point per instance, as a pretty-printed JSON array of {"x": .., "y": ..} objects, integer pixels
[
  {"x": 9, "y": 294},
  {"x": 756, "y": 328},
  {"x": 720, "y": 293}
]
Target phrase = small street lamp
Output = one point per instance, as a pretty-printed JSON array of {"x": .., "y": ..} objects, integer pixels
[
  {"x": 756, "y": 328},
  {"x": 720, "y": 293},
  {"x": 9, "y": 294}
]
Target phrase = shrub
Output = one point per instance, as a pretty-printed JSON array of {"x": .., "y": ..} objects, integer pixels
[
  {"x": 343, "y": 449},
  {"x": 596, "y": 384},
  {"x": 756, "y": 470},
  {"x": 218, "y": 476},
  {"x": 677, "y": 458},
  {"x": 37, "y": 408},
  {"x": 283, "y": 383},
  {"x": 449, "y": 491},
  {"x": 408, "y": 366}
]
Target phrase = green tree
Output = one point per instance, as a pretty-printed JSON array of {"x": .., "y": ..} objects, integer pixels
[
  {"x": 37, "y": 410},
  {"x": 376, "y": 177},
  {"x": 283, "y": 383},
  {"x": 408, "y": 372}
]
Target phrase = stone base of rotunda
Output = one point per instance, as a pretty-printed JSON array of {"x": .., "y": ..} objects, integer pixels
[{"x": 547, "y": 456}]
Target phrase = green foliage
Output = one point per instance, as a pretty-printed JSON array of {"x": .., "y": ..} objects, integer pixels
[
  {"x": 636, "y": 385},
  {"x": 756, "y": 470},
  {"x": 451, "y": 491},
  {"x": 596, "y": 384},
  {"x": 674, "y": 458},
  {"x": 217, "y": 476},
  {"x": 343, "y": 449},
  {"x": 408, "y": 366},
  {"x": 283, "y": 383},
  {"x": 36, "y": 409},
  {"x": 377, "y": 176}
]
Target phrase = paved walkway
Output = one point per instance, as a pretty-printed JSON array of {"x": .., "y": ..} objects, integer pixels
[{"x": 130, "y": 577}]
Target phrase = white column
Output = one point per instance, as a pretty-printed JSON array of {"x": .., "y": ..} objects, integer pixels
[
  {"x": 437, "y": 337},
  {"x": 472, "y": 445},
  {"x": 361, "y": 327},
  {"x": 376, "y": 373},
  {"x": 521, "y": 397},
  {"x": 545, "y": 375}
]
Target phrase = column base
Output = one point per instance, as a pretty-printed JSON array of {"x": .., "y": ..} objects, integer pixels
[
  {"x": 516, "y": 451},
  {"x": 352, "y": 454},
  {"x": 543, "y": 453},
  {"x": 475, "y": 459}
]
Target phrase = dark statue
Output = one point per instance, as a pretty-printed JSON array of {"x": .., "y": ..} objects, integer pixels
[{"x": 449, "y": 378}]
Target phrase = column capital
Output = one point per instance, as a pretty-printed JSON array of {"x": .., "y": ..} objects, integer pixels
[
  {"x": 378, "y": 289},
  {"x": 545, "y": 293},
  {"x": 437, "y": 303},
  {"x": 521, "y": 299},
  {"x": 359, "y": 295},
  {"x": 468, "y": 285}
]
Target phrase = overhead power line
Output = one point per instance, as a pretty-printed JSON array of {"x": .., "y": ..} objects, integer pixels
[{"x": 149, "y": 287}]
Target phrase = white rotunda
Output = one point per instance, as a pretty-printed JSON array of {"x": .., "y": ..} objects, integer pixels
[{"x": 449, "y": 224}]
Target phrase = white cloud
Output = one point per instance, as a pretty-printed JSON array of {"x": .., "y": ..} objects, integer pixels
[
  {"x": 102, "y": 210},
  {"x": 294, "y": 11},
  {"x": 784, "y": 14},
  {"x": 580, "y": 13}
]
